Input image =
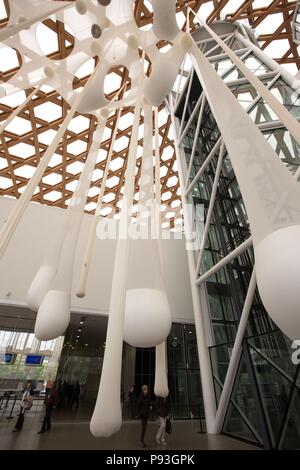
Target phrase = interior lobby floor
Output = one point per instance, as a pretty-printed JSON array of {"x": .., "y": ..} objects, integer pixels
[{"x": 72, "y": 433}]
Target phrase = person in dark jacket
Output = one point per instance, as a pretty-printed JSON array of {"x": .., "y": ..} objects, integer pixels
[
  {"x": 144, "y": 411},
  {"x": 162, "y": 410},
  {"x": 26, "y": 403},
  {"x": 51, "y": 402}
]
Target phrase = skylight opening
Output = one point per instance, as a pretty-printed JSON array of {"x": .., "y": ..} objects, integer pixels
[
  {"x": 107, "y": 198},
  {"x": 22, "y": 150},
  {"x": 48, "y": 111},
  {"x": 52, "y": 179},
  {"x": 116, "y": 164},
  {"x": 77, "y": 147},
  {"x": 75, "y": 168},
  {"x": 112, "y": 182},
  {"x": 97, "y": 175},
  {"x": 25, "y": 171},
  {"x": 5, "y": 183},
  {"x": 53, "y": 196},
  {"x": 14, "y": 100},
  {"x": 18, "y": 126},
  {"x": 93, "y": 191},
  {"x": 55, "y": 160},
  {"x": 79, "y": 124}
]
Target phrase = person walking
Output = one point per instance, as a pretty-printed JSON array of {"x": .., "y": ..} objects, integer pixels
[
  {"x": 144, "y": 411},
  {"x": 162, "y": 409},
  {"x": 26, "y": 404},
  {"x": 51, "y": 401}
]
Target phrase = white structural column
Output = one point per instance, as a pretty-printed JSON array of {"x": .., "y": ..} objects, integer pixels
[
  {"x": 107, "y": 416},
  {"x": 203, "y": 352},
  {"x": 15, "y": 216},
  {"x": 235, "y": 355}
]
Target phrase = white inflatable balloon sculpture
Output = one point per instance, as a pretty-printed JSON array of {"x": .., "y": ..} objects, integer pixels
[{"x": 139, "y": 311}]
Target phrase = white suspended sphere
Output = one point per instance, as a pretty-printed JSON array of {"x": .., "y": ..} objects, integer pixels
[
  {"x": 39, "y": 286},
  {"x": 81, "y": 6},
  {"x": 53, "y": 316},
  {"x": 277, "y": 259},
  {"x": 147, "y": 320}
]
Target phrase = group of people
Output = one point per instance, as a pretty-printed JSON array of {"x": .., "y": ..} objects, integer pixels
[
  {"x": 51, "y": 401},
  {"x": 141, "y": 405},
  {"x": 161, "y": 406},
  {"x": 65, "y": 394}
]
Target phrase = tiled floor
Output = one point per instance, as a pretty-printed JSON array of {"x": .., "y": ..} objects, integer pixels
[{"x": 70, "y": 431}]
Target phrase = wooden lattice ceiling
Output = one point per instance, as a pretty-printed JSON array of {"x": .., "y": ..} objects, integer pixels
[{"x": 27, "y": 138}]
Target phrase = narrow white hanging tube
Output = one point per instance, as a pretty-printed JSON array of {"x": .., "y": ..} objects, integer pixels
[
  {"x": 107, "y": 415},
  {"x": 53, "y": 314},
  {"x": 7, "y": 230},
  {"x": 161, "y": 388},
  {"x": 81, "y": 290}
]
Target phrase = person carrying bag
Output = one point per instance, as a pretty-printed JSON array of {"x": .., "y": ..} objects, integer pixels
[{"x": 26, "y": 404}]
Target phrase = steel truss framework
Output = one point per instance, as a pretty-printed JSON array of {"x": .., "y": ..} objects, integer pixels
[
  {"x": 207, "y": 178},
  {"x": 23, "y": 146}
]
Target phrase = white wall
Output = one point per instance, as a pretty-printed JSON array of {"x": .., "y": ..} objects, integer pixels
[{"x": 32, "y": 239}]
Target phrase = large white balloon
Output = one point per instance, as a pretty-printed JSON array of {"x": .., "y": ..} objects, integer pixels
[
  {"x": 277, "y": 260},
  {"x": 147, "y": 317}
]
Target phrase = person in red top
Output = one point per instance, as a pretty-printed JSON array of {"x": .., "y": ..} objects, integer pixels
[{"x": 51, "y": 402}]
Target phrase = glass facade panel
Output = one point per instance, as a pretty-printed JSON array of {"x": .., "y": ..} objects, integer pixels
[
  {"x": 242, "y": 417},
  {"x": 291, "y": 432},
  {"x": 184, "y": 373}
]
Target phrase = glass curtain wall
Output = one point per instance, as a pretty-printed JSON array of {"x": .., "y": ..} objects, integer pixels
[
  {"x": 183, "y": 372},
  {"x": 266, "y": 375}
]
